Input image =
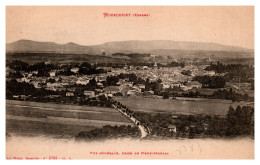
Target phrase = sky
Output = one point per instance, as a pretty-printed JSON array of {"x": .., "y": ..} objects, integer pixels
[{"x": 86, "y": 25}]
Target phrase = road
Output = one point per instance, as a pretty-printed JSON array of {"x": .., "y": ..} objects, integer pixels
[{"x": 141, "y": 127}]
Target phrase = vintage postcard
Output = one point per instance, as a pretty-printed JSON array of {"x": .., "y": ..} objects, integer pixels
[{"x": 130, "y": 82}]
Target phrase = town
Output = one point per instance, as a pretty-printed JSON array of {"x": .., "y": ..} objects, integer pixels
[{"x": 105, "y": 84}]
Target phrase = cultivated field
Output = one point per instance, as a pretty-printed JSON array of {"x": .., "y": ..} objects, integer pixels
[
  {"x": 31, "y": 118},
  {"x": 178, "y": 106}
]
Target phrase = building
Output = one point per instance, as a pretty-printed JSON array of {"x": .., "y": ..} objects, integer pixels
[
  {"x": 35, "y": 72},
  {"x": 35, "y": 84},
  {"x": 52, "y": 74},
  {"x": 184, "y": 88},
  {"x": 74, "y": 70},
  {"x": 100, "y": 78},
  {"x": 149, "y": 92},
  {"x": 81, "y": 81},
  {"x": 141, "y": 86},
  {"x": 193, "y": 84},
  {"x": 24, "y": 79},
  {"x": 90, "y": 94},
  {"x": 131, "y": 92},
  {"x": 100, "y": 84},
  {"x": 70, "y": 94},
  {"x": 145, "y": 67},
  {"x": 166, "y": 86},
  {"x": 111, "y": 90},
  {"x": 172, "y": 128},
  {"x": 124, "y": 90},
  {"x": 98, "y": 90},
  {"x": 175, "y": 84},
  {"x": 210, "y": 73},
  {"x": 110, "y": 95}
]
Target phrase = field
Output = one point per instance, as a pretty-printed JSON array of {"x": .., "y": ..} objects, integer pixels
[
  {"x": 178, "y": 106},
  {"x": 31, "y": 118},
  {"x": 63, "y": 58}
]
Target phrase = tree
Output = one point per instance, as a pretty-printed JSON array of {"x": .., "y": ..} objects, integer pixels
[
  {"x": 112, "y": 80},
  {"x": 159, "y": 81},
  {"x": 240, "y": 121},
  {"x": 51, "y": 80},
  {"x": 186, "y": 72},
  {"x": 85, "y": 65}
]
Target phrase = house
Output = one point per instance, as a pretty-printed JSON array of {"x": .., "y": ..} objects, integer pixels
[
  {"x": 175, "y": 84},
  {"x": 70, "y": 94},
  {"x": 109, "y": 95},
  {"x": 166, "y": 86},
  {"x": 24, "y": 97},
  {"x": 111, "y": 90},
  {"x": 141, "y": 86},
  {"x": 29, "y": 75},
  {"x": 24, "y": 79},
  {"x": 89, "y": 94},
  {"x": 15, "y": 96},
  {"x": 148, "y": 92},
  {"x": 53, "y": 96},
  {"x": 124, "y": 90},
  {"x": 190, "y": 85},
  {"x": 83, "y": 82},
  {"x": 184, "y": 88},
  {"x": 71, "y": 89},
  {"x": 205, "y": 126},
  {"x": 53, "y": 85},
  {"x": 194, "y": 84},
  {"x": 172, "y": 128},
  {"x": 35, "y": 84},
  {"x": 100, "y": 78},
  {"x": 74, "y": 70},
  {"x": 100, "y": 84},
  {"x": 98, "y": 90},
  {"x": 35, "y": 72},
  {"x": 210, "y": 73},
  {"x": 136, "y": 88},
  {"x": 174, "y": 117},
  {"x": 131, "y": 92},
  {"x": 64, "y": 84},
  {"x": 145, "y": 67},
  {"x": 52, "y": 74}
]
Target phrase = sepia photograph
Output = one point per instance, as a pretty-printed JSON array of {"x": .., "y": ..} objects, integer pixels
[{"x": 129, "y": 82}]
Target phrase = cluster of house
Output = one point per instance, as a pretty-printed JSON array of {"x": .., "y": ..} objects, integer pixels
[
  {"x": 173, "y": 127},
  {"x": 170, "y": 76}
]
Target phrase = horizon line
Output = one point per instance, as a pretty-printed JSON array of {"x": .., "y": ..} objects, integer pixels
[{"x": 128, "y": 41}]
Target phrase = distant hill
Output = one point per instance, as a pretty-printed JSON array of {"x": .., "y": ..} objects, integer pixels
[
  {"x": 160, "y": 47},
  {"x": 29, "y": 46}
]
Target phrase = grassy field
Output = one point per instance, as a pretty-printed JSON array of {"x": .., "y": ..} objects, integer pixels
[
  {"x": 63, "y": 58},
  {"x": 36, "y": 128},
  {"x": 178, "y": 106},
  {"x": 31, "y": 118}
]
